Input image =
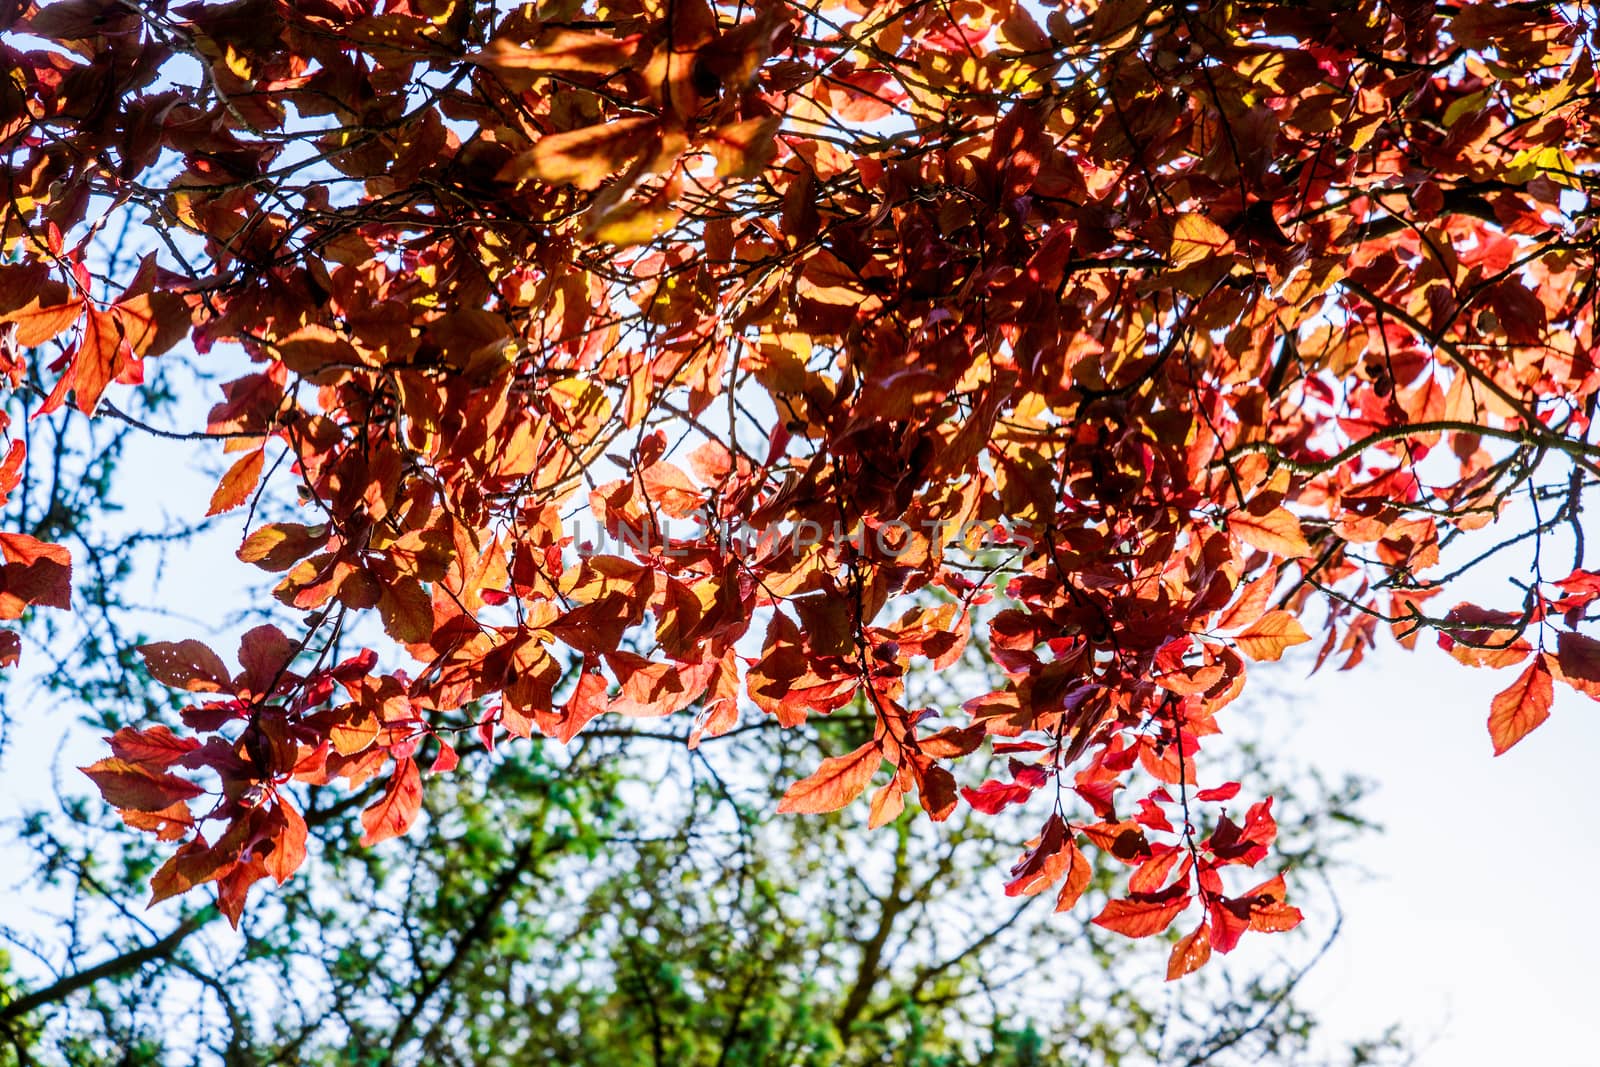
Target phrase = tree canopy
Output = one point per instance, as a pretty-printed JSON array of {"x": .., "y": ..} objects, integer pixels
[{"x": 739, "y": 361}]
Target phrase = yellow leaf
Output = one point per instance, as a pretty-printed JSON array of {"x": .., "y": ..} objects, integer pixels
[{"x": 1196, "y": 238}]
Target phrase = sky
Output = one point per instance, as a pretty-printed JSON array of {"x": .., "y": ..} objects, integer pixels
[{"x": 1474, "y": 928}]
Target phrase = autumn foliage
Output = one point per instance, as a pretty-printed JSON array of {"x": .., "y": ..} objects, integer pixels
[{"x": 1127, "y": 343}]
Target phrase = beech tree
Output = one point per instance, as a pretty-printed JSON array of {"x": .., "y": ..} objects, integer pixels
[{"x": 732, "y": 361}]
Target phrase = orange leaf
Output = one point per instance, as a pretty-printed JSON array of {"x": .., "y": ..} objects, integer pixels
[
  {"x": 1078, "y": 876},
  {"x": 96, "y": 362},
  {"x": 237, "y": 485},
  {"x": 887, "y": 804},
  {"x": 152, "y": 322},
  {"x": 1523, "y": 706},
  {"x": 836, "y": 783},
  {"x": 1269, "y": 636},
  {"x": 36, "y": 324},
  {"x": 1190, "y": 953},
  {"x": 35, "y": 572},
  {"x": 1276, "y": 531},
  {"x": 583, "y": 157},
  {"x": 406, "y": 610},
  {"x": 280, "y": 545},
  {"x": 1134, "y": 918},
  {"x": 1250, "y": 604}
]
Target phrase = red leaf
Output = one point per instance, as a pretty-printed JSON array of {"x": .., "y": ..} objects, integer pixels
[
  {"x": 155, "y": 747},
  {"x": 836, "y": 783},
  {"x": 234, "y": 885},
  {"x": 1578, "y": 662},
  {"x": 586, "y": 701},
  {"x": 1522, "y": 707},
  {"x": 265, "y": 654},
  {"x": 1042, "y": 864},
  {"x": 193, "y": 864},
  {"x": 395, "y": 811},
  {"x": 994, "y": 796},
  {"x": 1221, "y": 792},
  {"x": 446, "y": 760},
  {"x": 129, "y": 785}
]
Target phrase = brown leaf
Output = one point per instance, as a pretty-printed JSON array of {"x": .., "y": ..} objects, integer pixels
[
  {"x": 35, "y": 573},
  {"x": 188, "y": 665},
  {"x": 742, "y": 149},
  {"x": 565, "y": 51},
  {"x": 280, "y": 545},
  {"x": 406, "y": 609},
  {"x": 1578, "y": 662},
  {"x": 152, "y": 322}
]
